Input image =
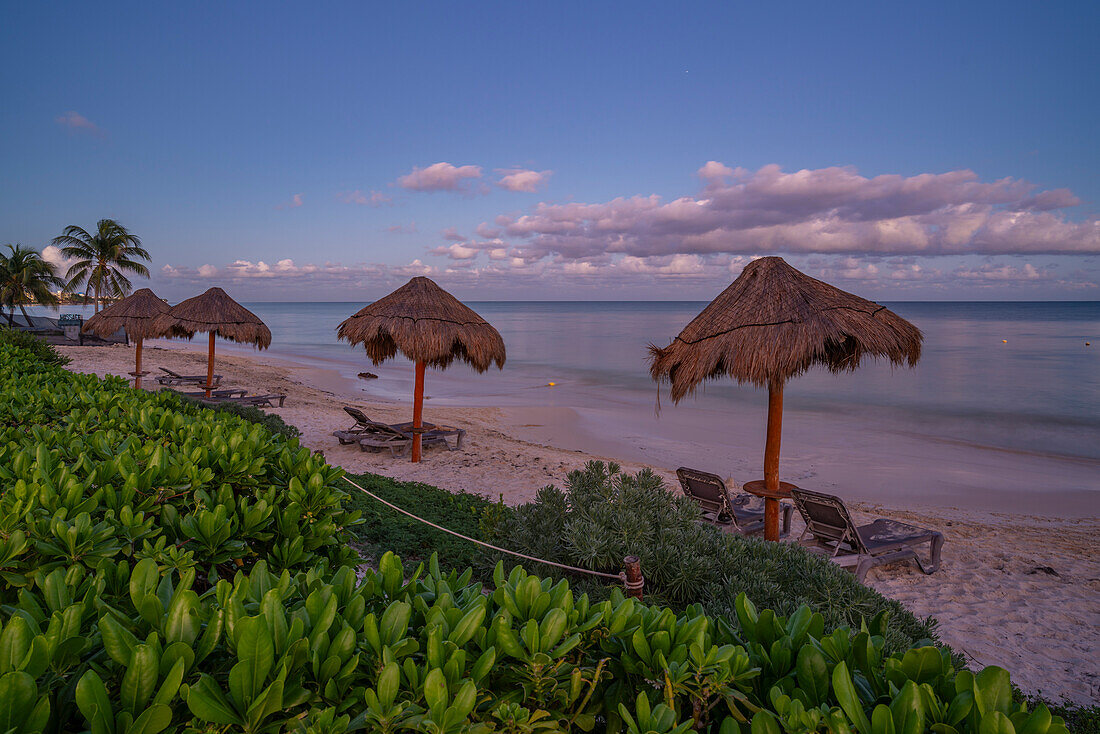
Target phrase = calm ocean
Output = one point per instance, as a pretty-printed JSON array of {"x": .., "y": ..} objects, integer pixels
[{"x": 1003, "y": 374}]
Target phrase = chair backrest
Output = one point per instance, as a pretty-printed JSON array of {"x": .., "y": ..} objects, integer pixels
[
  {"x": 170, "y": 372},
  {"x": 358, "y": 415},
  {"x": 827, "y": 517},
  {"x": 707, "y": 489}
]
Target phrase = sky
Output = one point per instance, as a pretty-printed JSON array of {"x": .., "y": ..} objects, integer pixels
[{"x": 597, "y": 151}]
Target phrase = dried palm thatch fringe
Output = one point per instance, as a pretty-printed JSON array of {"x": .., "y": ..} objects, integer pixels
[
  {"x": 775, "y": 322},
  {"x": 214, "y": 311},
  {"x": 136, "y": 314},
  {"x": 426, "y": 324}
]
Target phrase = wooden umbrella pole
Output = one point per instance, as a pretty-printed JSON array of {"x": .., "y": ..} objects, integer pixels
[
  {"x": 771, "y": 458},
  {"x": 137, "y": 365},
  {"x": 418, "y": 410},
  {"x": 210, "y": 366}
]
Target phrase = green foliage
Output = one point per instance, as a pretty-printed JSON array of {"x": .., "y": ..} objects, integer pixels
[
  {"x": 93, "y": 471},
  {"x": 604, "y": 515},
  {"x": 41, "y": 351},
  {"x": 386, "y": 529},
  {"x": 168, "y": 570},
  {"x": 272, "y": 422},
  {"x": 1079, "y": 719}
]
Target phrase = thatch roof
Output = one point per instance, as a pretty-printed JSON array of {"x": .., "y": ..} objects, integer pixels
[
  {"x": 214, "y": 311},
  {"x": 773, "y": 323},
  {"x": 426, "y": 324},
  {"x": 135, "y": 313}
]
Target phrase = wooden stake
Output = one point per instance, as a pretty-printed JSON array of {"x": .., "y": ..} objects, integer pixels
[
  {"x": 137, "y": 365},
  {"x": 635, "y": 583},
  {"x": 418, "y": 410},
  {"x": 210, "y": 366},
  {"x": 771, "y": 458}
]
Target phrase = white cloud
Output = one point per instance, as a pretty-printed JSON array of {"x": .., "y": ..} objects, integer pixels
[
  {"x": 441, "y": 176},
  {"x": 522, "y": 179},
  {"x": 294, "y": 203},
  {"x": 371, "y": 198}
]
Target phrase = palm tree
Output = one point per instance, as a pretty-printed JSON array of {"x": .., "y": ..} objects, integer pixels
[
  {"x": 26, "y": 278},
  {"x": 102, "y": 259}
]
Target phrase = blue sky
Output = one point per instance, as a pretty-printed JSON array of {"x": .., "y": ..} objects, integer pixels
[{"x": 328, "y": 151}]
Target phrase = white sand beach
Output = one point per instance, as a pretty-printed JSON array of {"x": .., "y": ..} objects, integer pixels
[{"x": 1020, "y": 582}]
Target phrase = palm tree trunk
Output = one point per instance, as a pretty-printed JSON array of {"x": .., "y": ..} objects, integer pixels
[{"x": 26, "y": 318}]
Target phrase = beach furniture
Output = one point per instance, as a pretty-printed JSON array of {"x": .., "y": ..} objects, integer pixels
[
  {"x": 215, "y": 313},
  {"x": 831, "y": 530},
  {"x": 769, "y": 326},
  {"x": 256, "y": 401},
  {"x": 223, "y": 393},
  {"x": 171, "y": 378},
  {"x": 741, "y": 512},
  {"x": 134, "y": 316},
  {"x": 430, "y": 327},
  {"x": 397, "y": 437}
]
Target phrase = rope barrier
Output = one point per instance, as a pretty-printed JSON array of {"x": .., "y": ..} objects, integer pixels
[{"x": 621, "y": 576}]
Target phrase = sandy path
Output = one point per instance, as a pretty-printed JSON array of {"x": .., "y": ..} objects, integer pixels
[{"x": 992, "y": 597}]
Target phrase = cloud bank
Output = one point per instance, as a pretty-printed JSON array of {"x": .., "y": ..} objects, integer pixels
[
  {"x": 522, "y": 179},
  {"x": 828, "y": 210}
]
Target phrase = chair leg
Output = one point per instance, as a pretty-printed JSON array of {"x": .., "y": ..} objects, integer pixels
[
  {"x": 786, "y": 520},
  {"x": 934, "y": 549}
]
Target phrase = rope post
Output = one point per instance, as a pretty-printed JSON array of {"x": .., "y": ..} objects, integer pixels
[{"x": 634, "y": 582}]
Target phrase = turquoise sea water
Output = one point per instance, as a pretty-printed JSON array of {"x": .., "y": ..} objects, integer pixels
[{"x": 1038, "y": 390}]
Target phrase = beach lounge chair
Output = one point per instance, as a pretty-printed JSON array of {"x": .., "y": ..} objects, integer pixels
[
  {"x": 174, "y": 378},
  {"x": 397, "y": 436},
  {"x": 860, "y": 549},
  {"x": 256, "y": 401},
  {"x": 741, "y": 512},
  {"x": 222, "y": 393}
]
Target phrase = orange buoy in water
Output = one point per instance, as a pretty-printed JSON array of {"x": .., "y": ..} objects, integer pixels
[
  {"x": 1004, "y": 341},
  {"x": 551, "y": 384}
]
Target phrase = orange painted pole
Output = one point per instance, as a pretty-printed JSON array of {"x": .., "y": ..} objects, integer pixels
[
  {"x": 137, "y": 365},
  {"x": 210, "y": 366},
  {"x": 418, "y": 410},
  {"x": 771, "y": 459}
]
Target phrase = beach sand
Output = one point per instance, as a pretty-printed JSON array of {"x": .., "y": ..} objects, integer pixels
[{"x": 1021, "y": 591}]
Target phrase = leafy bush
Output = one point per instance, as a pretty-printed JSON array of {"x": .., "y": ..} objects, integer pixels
[
  {"x": 271, "y": 421},
  {"x": 168, "y": 570},
  {"x": 385, "y": 529},
  {"x": 42, "y": 352},
  {"x": 604, "y": 515},
  {"x": 94, "y": 471}
]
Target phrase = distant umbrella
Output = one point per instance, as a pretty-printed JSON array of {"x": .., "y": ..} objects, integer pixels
[
  {"x": 430, "y": 327},
  {"x": 135, "y": 314},
  {"x": 216, "y": 313},
  {"x": 773, "y": 323}
]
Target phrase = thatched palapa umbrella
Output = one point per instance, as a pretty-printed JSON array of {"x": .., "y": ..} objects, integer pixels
[
  {"x": 136, "y": 314},
  {"x": 430, "y": 327},
  {"x": 219, "y": 315},
  {"x": 773, "y": 323}
]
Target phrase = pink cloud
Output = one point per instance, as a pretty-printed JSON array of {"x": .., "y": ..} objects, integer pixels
[
  {"x": 829, "y": 210},
  {"x": 294, "y": 203},
  {"x": 76, "y": 123},
  {"x": 439, "y": 177},
  {"x": 522, "y": 179},
  {"x": 372, "y": 198},
  {"x": 409, "y": 228}
]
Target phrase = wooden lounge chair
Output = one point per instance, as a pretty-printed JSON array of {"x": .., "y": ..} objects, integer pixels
[
  {"x": 860, "y": 549},
  {"x": 741, "y": 512},
  {"x": 174, "y": 378},
  {"x": 374, "y": 435}
]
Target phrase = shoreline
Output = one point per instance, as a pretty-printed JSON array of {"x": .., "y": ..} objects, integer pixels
[{"x": 994, "y": 601}]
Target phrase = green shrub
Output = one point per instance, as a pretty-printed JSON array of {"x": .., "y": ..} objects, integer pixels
[
  {"x": 43, "y": 352},
  {"x": 92, "y": 470},
  {"x": 604, "y": 515},
  {"x": 385, "y": 529},
  {"x": 271, "y": 421}
]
